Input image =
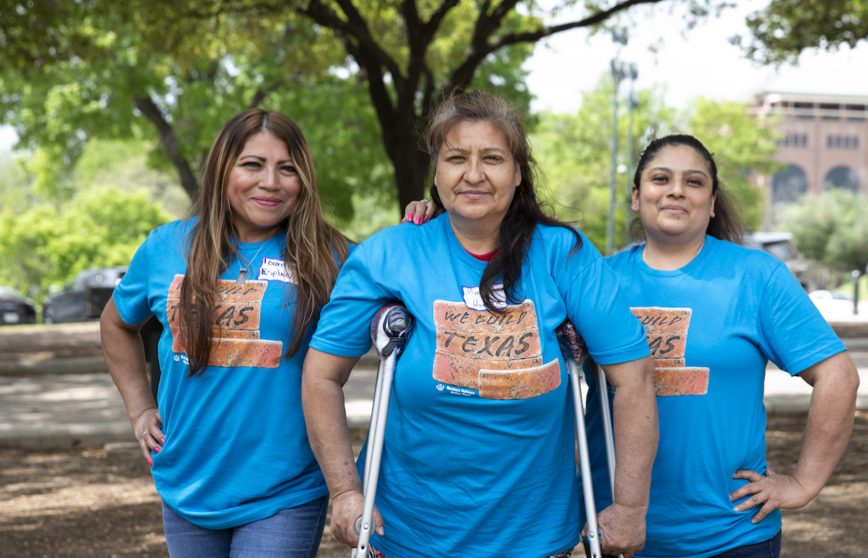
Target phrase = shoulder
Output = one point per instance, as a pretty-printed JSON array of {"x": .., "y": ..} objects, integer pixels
[
  {"x": 625, "y": 255},
  {"x": 562, "y": 238},
  {"x": 400, "y": 237},
  {"x": 171, "y": 232},
  {"x": 743, "y": 259}
]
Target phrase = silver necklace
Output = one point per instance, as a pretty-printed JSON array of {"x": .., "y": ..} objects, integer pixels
[{"x": 244, "y": 263}]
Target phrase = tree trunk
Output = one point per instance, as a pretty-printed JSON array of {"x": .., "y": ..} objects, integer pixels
[
  {"x": 171, "y": 144},
  {"x": 404, "y": 149}
]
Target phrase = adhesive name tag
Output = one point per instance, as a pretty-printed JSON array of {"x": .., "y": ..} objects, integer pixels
[
  {"x": 473, "y": 299},
  {"x": 275, "y": 270}
]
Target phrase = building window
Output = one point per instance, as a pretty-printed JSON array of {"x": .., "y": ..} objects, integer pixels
[
  {"x": 789, "y": 185},
  {"x": 841, "y": 177},
  {"x": 842, "y": 142},
  {"x": 794, "y": 140}
]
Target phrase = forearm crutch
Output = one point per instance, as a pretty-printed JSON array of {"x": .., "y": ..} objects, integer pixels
[
  {"x": 573, "y": 348},
  {"x": 390, "y": 330}
]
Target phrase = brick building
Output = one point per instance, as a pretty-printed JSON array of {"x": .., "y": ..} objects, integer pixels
[{"x": 824, "y": 144}]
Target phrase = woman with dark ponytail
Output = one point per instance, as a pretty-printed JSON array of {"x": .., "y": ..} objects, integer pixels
[
  {"x": 715, "y": 314},
  {"x": 478, "y": 457}
]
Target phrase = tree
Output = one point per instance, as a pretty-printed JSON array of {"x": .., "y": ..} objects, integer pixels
[
  {"x": 180, "y": 64},
  {"x": 47, "y": 246},
  {"x": 830, "y": 228},
  {"x": 785, "y": 28}
]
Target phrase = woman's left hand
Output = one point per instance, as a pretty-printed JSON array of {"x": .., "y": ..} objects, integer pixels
[
  {"x": 772, "y": 492},
  {"x": 419, "y": 212},
  {"x": 622, "y": 529}
]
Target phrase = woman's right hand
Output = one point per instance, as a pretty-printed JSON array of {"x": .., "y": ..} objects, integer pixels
[
  {"x": 347, "y": 508},
  {"x": 419, "y": 212},
  {"x": 148, "y": 426}
]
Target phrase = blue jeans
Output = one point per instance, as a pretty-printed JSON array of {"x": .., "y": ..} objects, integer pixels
[
  {"x": 766, "y": 549},
  {"x": 292, "y": 533}
]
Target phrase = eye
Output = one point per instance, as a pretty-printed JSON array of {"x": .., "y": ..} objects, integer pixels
[
  {"x": 251, "y": 165},
  {"x": 288, "y": 169},
  {"x": 695, "y": 182},
  {"x": 493, "y": 159},
  {"x": 455, "y": 158},
  {"x": 659, "y": 178}
]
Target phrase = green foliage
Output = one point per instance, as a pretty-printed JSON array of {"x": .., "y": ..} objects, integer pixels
[
  {"x": 830, "y": 228},
  {"x": 742, "y": 145},
  {"x": 785, "y": 28},
  {"x": 47, "y": 246}
]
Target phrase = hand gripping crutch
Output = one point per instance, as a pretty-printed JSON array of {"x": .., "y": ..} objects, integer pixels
[
  {"x": 390, "y": 330},
  {"x": 575, "y": 352}
]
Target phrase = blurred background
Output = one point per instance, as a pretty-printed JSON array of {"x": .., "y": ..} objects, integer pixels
[{"x": 107, "y": 111}]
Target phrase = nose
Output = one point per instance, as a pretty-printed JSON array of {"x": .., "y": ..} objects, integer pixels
[
  {"x": 269, "y": 178},
  {"x": 473, "y": 173},
  {"x": 678, "y": 187}
]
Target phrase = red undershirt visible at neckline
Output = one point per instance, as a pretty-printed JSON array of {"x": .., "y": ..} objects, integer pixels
[{"x": 486, "y": 257}]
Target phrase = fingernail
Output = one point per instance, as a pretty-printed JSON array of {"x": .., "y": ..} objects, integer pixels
[
  {"x": 157, "y": 449},
  {"x": 417, "y": 220},
  {"x": 150, "y": 462},
  {"x": 163, "y": 440},
  {"x": 425, "y": 220}
]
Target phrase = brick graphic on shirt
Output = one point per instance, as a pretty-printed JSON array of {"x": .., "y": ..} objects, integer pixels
[
  {"x": 497, "y": 354},
  {"x": 235, "y": 335},
  {"x": 666, "y": 331}
]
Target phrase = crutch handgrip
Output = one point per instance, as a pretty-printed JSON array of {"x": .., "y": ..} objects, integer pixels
[
  {"x": 390, "y": 329},
  {"x": 571, "y": 342}
]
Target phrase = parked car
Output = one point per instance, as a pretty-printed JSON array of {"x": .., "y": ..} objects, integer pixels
[
  {"x": 836, "y": 305},
  {"x": 780, "y": 245},
  {"x": 15, "y": 308},
  {"x": 84, "y": 298}
]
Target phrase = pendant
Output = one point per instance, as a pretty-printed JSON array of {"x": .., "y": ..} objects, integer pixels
[{"x": 242, "y": 277}]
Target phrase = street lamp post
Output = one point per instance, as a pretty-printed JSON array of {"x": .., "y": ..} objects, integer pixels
[
  {"x": 613, "y": 167},
  {"x": 618, "y": 74},
  {"x": 631, "y": 105}
]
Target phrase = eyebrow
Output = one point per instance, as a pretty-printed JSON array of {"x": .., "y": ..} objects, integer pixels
[
  {"x": 261, "y": 158},
  {"x": 688, "y": 171},
  {"x": 484, "y": 149}
]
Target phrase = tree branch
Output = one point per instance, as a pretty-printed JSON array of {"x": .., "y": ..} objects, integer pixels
[
  {"x": 481, "y": 47},
  {"x": 170, "y": 142}
]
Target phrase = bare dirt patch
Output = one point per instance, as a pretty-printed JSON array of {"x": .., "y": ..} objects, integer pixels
[{"x": 97, "y": 503}]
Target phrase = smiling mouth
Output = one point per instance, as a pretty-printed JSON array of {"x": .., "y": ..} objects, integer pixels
[{"x": 267, "y": 202}]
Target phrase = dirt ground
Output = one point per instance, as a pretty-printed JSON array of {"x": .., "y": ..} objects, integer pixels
[{"x": 95, "y": 503}]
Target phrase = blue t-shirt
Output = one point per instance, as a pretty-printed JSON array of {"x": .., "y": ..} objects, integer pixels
[
  {"x": 478, "y": 455},
  {"x": 236, "y": 446},
  {"x": 712, "y": 325}
]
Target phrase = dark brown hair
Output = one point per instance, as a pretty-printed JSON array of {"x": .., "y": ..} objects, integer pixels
[
  {"x": 311, "y": 245},
  {"x": 525, "y": 210}
]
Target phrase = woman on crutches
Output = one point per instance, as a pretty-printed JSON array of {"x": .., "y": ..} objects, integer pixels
[
  {"x": 477, "y": 458},
  {"x": 716, "y": 313}
]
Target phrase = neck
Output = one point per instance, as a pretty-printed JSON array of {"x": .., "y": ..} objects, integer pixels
[
  {"x": 474, "y": 236},
  {"x": 668, "y": 256}
]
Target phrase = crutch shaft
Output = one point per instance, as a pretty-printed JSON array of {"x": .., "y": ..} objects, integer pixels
[{"x": 584, "y": 460}]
